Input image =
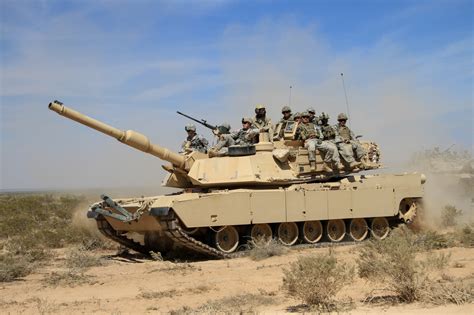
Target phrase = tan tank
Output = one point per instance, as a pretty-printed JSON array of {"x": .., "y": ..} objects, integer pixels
[{"x": 265, "y": 190}]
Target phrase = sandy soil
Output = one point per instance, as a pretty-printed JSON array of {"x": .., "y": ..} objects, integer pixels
[{"x": 145, "y": 286}]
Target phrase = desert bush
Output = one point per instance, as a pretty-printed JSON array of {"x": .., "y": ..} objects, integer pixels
[
  {"x": 437, "y": 261},
  {"x": 392, "y": 262},
  {"x": 262, "y": 248},
  {"x": 81, "y": 258},
  {"x": 12, "y": 268},
  {"x": 440, "y": 293},
  {"x": 449, "y": 215},
  {"x": 32, "y": 224},
  {"x": 466, "y": 236},
  {"x": 429, "y": 239},
  {"x": 69, "y": 278},
  {"x": 239, "y": 304},
  {"x": 317, "y": 279}
]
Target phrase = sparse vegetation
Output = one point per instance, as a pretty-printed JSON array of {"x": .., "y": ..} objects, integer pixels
[
  {"x": 81, "y": 258},
  {"x": 32, "y": 225},
  {"x": 263, "y": 248},
  {"x": 449, "y": 215},
  {"x": 239, "y": 304},
  {"x": 317, "y": 279},
  {"x": 71, "y": 278},
  {"x": 391, "y": 265}
]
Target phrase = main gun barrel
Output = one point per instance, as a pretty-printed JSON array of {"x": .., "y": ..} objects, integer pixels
[{"x": 131, "y": 138}]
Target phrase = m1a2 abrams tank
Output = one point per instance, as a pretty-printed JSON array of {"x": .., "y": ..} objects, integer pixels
[{"x": 265, "y": 190}]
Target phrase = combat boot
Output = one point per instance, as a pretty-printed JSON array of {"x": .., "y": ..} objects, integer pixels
[
  {"x": 354, "y": 165},
  {"x": 326, "y": 168},
  {"x": 312, "y": 165},
  {"x": 339, "y": 166},
  {"x": 364, "y": 164}
]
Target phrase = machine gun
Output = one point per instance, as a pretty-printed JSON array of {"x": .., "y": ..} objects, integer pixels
[{"x": 202, "y": 121}]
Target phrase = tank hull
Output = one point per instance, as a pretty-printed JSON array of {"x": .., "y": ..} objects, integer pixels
[{"x": 388, "y": 197}]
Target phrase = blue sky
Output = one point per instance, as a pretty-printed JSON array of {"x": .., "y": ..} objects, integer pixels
[{"x": 408, "y": 68}]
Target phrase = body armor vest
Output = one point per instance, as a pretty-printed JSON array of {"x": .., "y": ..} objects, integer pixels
[
  {"x": 344, "y": 132},
  {"x": 328, "y": 132}
]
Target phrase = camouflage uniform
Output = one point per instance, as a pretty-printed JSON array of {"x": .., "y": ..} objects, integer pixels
[
  {"x": 348, "y": 151},
  {"x": 264, "y": 124},
  {"x": 314, "y": 140},
  {"x": 195, "y": 143},
  {"x": 246, "y": 136}
]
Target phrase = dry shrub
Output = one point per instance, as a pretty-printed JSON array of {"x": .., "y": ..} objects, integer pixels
[
  {"x": 32, "y": 224},
  {"x": 391, "y": 262},
  {"x": 12, "y": 268},
  {"x": 81, "y": 258},
  {"x": 391, "y": 266},
  {"x": 262, "y": 248},
  {"x": 242, "y": 303},
  {"x": 440, "y": 293},
  {"x": 466, "y": 236},
  {"x": 316, "y": 280},
  {"x": 449, "y": 215},
  {"x": 71, "y": 278},
  {"x": 429, "y": 240},
  {"x": 437, "y": 261}
]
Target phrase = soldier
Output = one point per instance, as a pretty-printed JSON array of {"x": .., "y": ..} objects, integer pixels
[
  {"x": 247, "y": 135},
  {"x": 286, "y": 111},
  {"x": 312, "y": 116},
  {"x": 194, "y": 142},
  {"x": 347, "y": 137},
  {"x": 311, "y": 136},
  {"x": 225, "y": 141},
  {"x": 297, "y": 117},
  {"x": 331, "y": 138},
  {"x": 261, "y": 122}
]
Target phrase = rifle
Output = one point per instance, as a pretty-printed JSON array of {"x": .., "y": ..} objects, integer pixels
[{"x": 202, "y": 121}]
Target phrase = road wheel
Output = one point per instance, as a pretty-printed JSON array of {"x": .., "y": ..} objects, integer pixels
[
  {"x": 227, "y": 239},
  {"x": 380, "y": 228},
  {"x": 358, "y": 229},
  {"x": 288, "y": 233},
  {"x": 261, "y": 231},
  {"x": 312, "y": 231},
  {"x": 336, "y": 230}
]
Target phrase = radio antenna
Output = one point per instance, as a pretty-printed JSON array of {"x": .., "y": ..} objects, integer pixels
[
  {"x": 289, "y": 101},
  {"x": 345, "y": 94}
]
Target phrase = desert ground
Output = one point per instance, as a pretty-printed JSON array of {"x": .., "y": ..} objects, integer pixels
[
  {"x": 135, "y": 284},
  {"x": 54, "y": 261}
]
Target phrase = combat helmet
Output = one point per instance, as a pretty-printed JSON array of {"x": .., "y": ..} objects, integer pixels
[
  {"x": 190, "y": 127},
  {"x": 342, "y": 116},
  {"x": 285, "y": 109},
  {"x": 224, "y": 128},
  {"x": 311, "y": 110},
  {"x": 324, "y": 116},
  {"x": 247, "y": 120}
]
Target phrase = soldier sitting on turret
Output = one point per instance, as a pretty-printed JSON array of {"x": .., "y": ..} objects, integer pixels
[
  {"x": 261, "y": 122},
  {"x": 225, "y": 141},
  {"x": 287, "y": 116},
  {"x": 330, "y": 137},
  {"x": 355, "y": 149},
  {"x": 312, "y": 116},
  {"x": 247, "y": 135},
  {"x": 312, "y": 141},
  {"x": 194, "y": 142}
]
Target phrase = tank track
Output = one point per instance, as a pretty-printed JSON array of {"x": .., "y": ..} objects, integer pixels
[
  {"x": 106, "y": 229},
  {"x": 171, "y": 228}
]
